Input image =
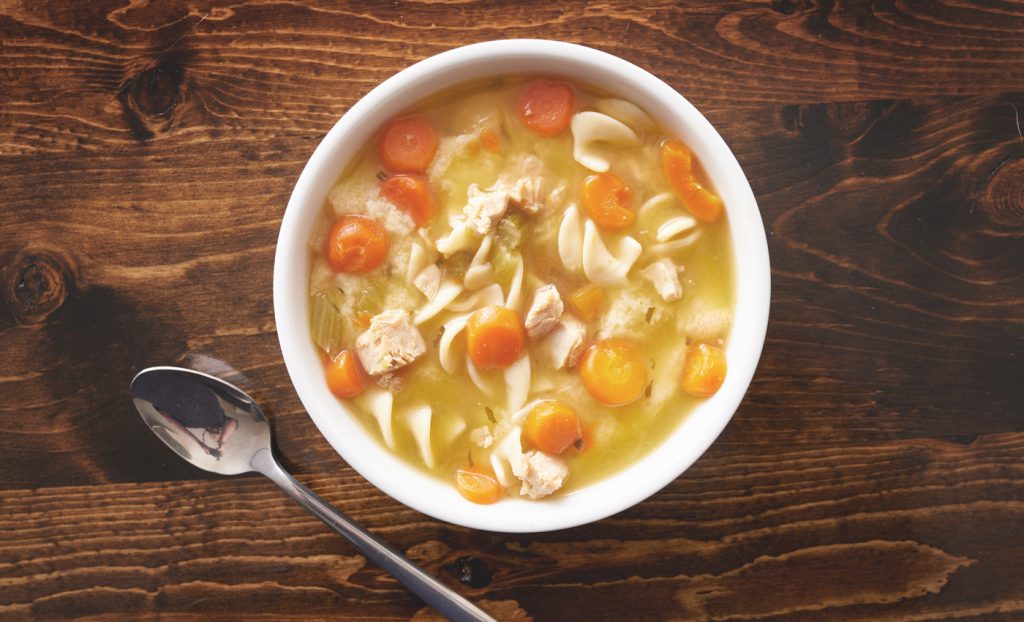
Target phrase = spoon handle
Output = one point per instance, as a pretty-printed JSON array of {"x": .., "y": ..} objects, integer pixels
[{"x": 433, "y": 592}]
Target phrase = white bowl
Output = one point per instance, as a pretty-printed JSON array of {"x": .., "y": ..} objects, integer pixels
[{"x": 576, "y": 63}]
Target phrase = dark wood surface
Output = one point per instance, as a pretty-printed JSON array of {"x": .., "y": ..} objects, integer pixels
[{"x": 875, "y": 470}]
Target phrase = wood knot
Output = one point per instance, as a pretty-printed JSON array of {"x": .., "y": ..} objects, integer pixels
[
  {"x": 786, "y": 7},
  {"x": 471, "y": 571},
  {"x": 1002, "y": 198},
  {"x": 151, "y": 96},
  {"x": 36, "y": 285},
  {"x": 156, "y": 90}
]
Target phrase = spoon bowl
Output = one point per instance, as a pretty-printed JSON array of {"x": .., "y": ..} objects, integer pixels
[
  {"x": 206, "y": 421},
  {"x": 217, "y": 427}
]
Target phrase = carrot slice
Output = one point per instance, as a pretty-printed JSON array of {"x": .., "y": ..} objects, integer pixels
[
  {"x": 411, "y": 193},
  {"x": 477, "y": 485},
  {"x": 677, "y": 164},
  {"x": 490, "y": 140},
  {"x": 345, "y": 376},
  {"x": 704, "y": 205},
  {"x": 552, "y": 427},
  {"x": 356, "y": 244},
  {"x": 495, "y": 337},
  {"x": 606, "y": 199},
  {"x": 614, "y": 371},
  {"x": 587, "y": 301},
  {"x": 546, "y": 106},
  {"x": 407, "y": 145},
  {"x": 703, "y": 370}
]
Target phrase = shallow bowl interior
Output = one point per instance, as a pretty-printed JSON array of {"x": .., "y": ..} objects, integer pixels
[{"x": 575, "y": 63}]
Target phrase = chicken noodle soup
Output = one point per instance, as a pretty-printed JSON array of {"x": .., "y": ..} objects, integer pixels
[{"x": 522, "y": 286}]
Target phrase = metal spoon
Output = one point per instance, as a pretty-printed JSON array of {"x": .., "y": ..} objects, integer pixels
[{"x": 217, "y": 427}]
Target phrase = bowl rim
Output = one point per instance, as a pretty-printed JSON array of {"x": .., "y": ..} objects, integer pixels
[{"x": 637, "y": 481}]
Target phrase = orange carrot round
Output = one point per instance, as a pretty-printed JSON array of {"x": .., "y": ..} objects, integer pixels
[
  {"x": 552, "y": 427},
  {"x": 614, "y": 371},
  {"x": 495, "y": 337},
  {"x": 677, "y": 164},
  {"x": 411, "y": 194},
  {"x": 356, "y": 244},
  {"x": 345, "y": 376},
  {"x": 477, "y": 485},
  {"x": 546, "y": 106},
  {"x": 407, "y": 145},
  {"x": 606, "y": 199},
  {"x": 703, "y": 370}
]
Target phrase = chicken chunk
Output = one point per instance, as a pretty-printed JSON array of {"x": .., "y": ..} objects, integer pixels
[
  {"x": 563, "y": 346},
  {"x": 540, "y": 473},
  {"x": 664, "y": 275},
  {"x": 525, "y": 182},
  {"x": 545, "y": 311},
  {"x": 428, "y": 280},
  {"x": 391, "y": 342},
  {"x": 524, "y": 193},
  {"x": 484, "y": 208}
]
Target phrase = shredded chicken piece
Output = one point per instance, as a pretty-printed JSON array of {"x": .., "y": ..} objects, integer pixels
[
  {"x": 563, "y": 346},
  {"x": 391, "y": 342},
  {"x": 391, "y": 382},
  {"x": 484, "y": 208},
  {"x": 664, "y": 275},
  {"x": 540, "y": 473},
  {"x": 545, "y": 311},
  {"x": 524, "y": 193}
]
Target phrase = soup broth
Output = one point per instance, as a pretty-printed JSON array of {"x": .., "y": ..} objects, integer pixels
[{"x": 531, "y": 183}]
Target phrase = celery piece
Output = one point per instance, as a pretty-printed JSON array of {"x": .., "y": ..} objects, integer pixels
[
  {"x": 370, "y": 301},
  {"x": 326, "y": 321},
  {"x": 504, "y": 262},
  {"x": 511, "y": 229}
]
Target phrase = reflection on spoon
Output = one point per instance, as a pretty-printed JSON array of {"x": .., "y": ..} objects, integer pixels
[{"x": 219, "y": 428}]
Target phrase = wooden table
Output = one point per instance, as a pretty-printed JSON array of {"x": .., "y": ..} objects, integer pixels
[{"x": 873, "y": 472}]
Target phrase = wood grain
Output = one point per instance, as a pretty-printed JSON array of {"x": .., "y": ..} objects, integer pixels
[
  {"x": 147, "y": 151},
  {"x": 900, "y": 530}
]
